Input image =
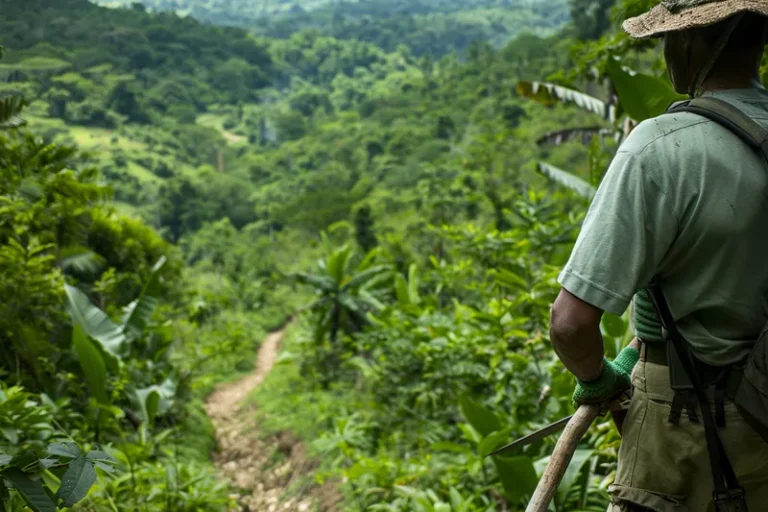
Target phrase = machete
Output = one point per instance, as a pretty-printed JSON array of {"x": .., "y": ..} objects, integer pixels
[
  {"x": 539, "y": 434},
  {"x": 618, "y": 408}
]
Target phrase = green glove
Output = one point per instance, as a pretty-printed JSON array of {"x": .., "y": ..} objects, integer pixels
[{"x": 616, "y": 378}]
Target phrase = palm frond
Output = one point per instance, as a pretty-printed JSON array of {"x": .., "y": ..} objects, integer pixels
[
  {"x": 566, "y": 179},
  {"x": 583, "y": 134},
  {"x": 320, "y": 282},
  {"x": 550, "y": 94},
  {"x": 139, "y": 312},
  {"x": 10, "y": 112},
  {"x": 365, "y": 277},
  {"x": 79, "y": 260}
]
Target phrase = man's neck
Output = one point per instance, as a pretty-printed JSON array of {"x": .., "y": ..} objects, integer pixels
[
  {"x": 729, "y": 73},
  {"x": 722, "y": 83}
]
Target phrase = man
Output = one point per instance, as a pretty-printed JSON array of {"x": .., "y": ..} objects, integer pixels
[{"x": 685, "y": 200}]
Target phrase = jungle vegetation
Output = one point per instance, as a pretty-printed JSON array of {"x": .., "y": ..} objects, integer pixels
[{"x": 404, "y": 185}]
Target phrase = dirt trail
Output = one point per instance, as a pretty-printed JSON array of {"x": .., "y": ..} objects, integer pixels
[
  {"x": 262, "y": 467},
  {"x": 225, "y": 403}
]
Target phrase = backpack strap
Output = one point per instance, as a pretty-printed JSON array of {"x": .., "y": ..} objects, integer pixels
[
  {"x": 728, "y": 116},
  {"x": 728, "y": 494}
]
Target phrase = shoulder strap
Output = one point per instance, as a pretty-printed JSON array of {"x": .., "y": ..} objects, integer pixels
[
  {"x": 726, "y": 483},
  {"x": 728, "y": 116}
]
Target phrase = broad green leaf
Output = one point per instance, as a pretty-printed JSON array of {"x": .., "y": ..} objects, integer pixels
[
  {"x": 641, "y": 96},
  {"x": 365, "y": 277},
  {"x": 323, "y": 283},
  {"x": 103, "y": 466},
  {"x": 80, "y": 259},
  {"x": 140, "y": 312},
  {"x": 510, "y": 280},
  {"x": 11, "y": 434},
  {"x": 153, "y": 400},
  {"x": 457, "y": 500},
  {"x": 479, "y": 416},
  {"x": 70, "y": 450},
  {"x": 25, "y": 460},
  {"x": 517, "y": 475},
  {"x": 550, "y": 94},
  {"x": 413, "y": 284},
  {"x": 614, "y": 326},
  {"x": 401, "y": 290},
  {"x": 580, "y": 458},
  {"x": 420, "y": 499},
  {"x": 31, "y": 491},
  {"x": 5, "y": 493},
  {"x": 5, "y": 459},
  {"x": 77, "y": 481},
  {"x": 95, "y": 322},
  {"x": 337, "y": 264},
  {"x": 95, "y": 455},
  {"x": 92, "y": 363},
  {"x": 493, "y": 441}
]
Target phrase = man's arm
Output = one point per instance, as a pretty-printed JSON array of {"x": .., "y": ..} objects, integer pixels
[
  {"x": 575, "y": 334},
  {"x": 576, "y": 337}
]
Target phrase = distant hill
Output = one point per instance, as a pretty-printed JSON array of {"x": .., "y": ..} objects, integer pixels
[
  {"x": 433, "y": 27},
  {"x": 230, "y": 11}
]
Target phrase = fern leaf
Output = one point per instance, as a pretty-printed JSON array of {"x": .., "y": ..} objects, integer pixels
[{"x": 10, "y": 112}]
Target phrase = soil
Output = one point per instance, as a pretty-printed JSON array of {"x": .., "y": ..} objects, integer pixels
[{"x": 267, "y": 469}]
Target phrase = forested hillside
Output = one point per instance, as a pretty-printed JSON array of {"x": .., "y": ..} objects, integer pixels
[
  {"x": 174, "y": 190},
  {"x": 433, "y": 27}
]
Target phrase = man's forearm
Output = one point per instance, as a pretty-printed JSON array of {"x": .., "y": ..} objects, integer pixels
[{"x": 580, "y": 350}]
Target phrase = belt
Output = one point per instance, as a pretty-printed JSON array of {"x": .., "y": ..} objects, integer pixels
[{"x": 654, "y": 352}]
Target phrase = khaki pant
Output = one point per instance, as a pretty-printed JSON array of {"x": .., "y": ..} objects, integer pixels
[{"x": 665, "y": 467}]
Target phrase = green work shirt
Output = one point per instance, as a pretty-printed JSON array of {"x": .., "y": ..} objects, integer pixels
[{"x": 687, "y": 200}]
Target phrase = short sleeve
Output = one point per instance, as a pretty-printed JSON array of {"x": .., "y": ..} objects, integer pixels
[{"x": 629, "y": 228}]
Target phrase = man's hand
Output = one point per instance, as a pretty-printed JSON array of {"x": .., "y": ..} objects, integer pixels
[{"x": 615, "y": 378}]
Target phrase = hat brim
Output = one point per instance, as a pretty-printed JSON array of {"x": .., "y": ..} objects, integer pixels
[{"x": 660, "y": 20}]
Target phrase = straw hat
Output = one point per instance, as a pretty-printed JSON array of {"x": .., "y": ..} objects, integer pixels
[{"x": 674, "y": 15}]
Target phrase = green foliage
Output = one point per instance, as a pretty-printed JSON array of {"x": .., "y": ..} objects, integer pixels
[
  {"x": 641, "y": 96},
  {"x": 368, "y": 165},
  {"x": 10, "y": 108},
  {"x": 43, "y": 478},
  {"x": 424, "y": 26},
  {"x": 62, "y": 245}
]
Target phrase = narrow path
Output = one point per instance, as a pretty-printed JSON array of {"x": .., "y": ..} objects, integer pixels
[
  {"x": 263, "y": 467},
  {"x": 226, "y": 401}
]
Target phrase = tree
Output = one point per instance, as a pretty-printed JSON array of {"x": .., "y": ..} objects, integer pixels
[
  {"x": 347, "y": 291},
  {"x": 124, "y": 99},
  {"x": 364, "y": 232},
  {"x": 591, "y": 18}
]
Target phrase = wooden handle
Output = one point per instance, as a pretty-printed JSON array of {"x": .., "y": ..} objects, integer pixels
[{"x": 566, "y": 446}]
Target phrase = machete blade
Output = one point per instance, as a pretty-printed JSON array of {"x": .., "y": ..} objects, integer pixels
[{"x": 539, "y": 434}]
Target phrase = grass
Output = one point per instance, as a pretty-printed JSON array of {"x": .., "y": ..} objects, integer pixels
[
  {"x": 143, "y": 174},
  {"x": 216, "y": 121},
  {"x": 101, "y": 138},
  {"x": 36, "y": 64}
]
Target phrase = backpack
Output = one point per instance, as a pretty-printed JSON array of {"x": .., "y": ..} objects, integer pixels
[{"x": 748, "y": 382}]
